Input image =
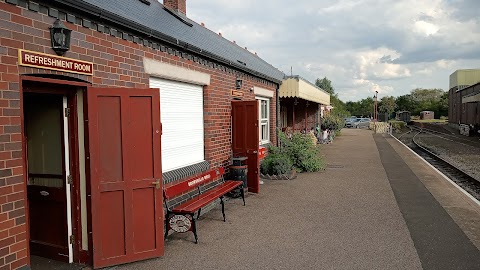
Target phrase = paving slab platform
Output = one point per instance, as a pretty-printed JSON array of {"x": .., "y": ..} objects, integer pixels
[{"x": 376, "y": 206}]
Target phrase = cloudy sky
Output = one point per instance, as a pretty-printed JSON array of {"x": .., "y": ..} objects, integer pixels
[{"x": 391, "y": 46}]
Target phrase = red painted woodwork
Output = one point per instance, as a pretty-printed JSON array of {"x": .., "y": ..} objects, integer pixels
[
  {"x": 198, "y": 200},
  {"x": 245, "y": 139},
  {"x": 184, "y": 186},
  {"x": 209, "y": 196},
  {"x": 124, "y": 143},
  {"x": 262, "y": 152}
]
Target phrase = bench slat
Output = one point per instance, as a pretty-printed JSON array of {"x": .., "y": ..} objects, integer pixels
[
  {"x": 207, "y": 197},
  {"x": 193, "y": 182}
]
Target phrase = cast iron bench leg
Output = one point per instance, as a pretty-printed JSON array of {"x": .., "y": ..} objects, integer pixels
[
  {"x": 194, "y": 228},
  {"x": 198, "y": 214},
  {"x": 166, "y": 231},
  {"x": 243, "y": 194},
  {"x": 223, "y": 208}
]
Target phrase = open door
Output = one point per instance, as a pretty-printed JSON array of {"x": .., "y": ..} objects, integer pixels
[
  {"x": 245, "y": 139},
  {"x": 125, "y": 174},
  {"x": 46, "y": 133}
]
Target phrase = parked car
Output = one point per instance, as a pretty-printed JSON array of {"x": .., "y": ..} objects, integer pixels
[
  {"x": 361, "y": 123},
  {"x": 349, "y": 123}
]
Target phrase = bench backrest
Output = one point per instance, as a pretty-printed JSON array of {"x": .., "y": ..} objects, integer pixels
[{"x": 193, "y": 182}]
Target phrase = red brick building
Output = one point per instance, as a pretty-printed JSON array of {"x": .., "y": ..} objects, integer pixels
[{"x": 84, "y": 135}]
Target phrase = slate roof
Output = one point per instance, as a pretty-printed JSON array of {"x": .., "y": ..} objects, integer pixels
[{"x": 155, "y": 17}]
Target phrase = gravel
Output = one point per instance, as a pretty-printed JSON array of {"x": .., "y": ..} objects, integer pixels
[{"x": 463, "y": 156}]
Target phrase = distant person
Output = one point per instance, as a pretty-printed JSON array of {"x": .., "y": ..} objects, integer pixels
[{"x": 325, "y": 136}]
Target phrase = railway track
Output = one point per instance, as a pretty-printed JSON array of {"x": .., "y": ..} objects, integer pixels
[
  {"x": 461, "y": 178},
  {"x": 469, "y": 141}
]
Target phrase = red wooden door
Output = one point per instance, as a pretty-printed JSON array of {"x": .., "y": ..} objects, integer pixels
[
  {"x": 126, "y": 205},
  {"x": 245, "y": 139}
]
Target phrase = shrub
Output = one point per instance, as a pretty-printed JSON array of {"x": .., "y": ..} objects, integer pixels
[
  {"x": 332, "y": 122},
  {"x": 398, "y": 126},
  {"x": 276, "y": 162},
  {"x": 297, "y": 152},
  {"x": 304, "y": 154}
]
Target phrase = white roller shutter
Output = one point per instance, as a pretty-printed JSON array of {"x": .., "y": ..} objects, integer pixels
[{"x": 181, "y": 112}]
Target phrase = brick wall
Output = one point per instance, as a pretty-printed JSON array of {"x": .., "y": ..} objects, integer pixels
[
  {"x": 117, "y": 62},
  {"x": 180, "y": 5}
]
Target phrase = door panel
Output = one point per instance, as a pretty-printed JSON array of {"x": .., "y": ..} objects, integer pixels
[
  {"x": 238, "y": 128},
  {"x": 245, "y": 139},
  {"x": 127, "y": 213},
  {"x": 143, "y": 209},
  {"x": 110, "y": 141},
  {"x": 140, "y": 132},
  {"x": 112, "y": 224}
]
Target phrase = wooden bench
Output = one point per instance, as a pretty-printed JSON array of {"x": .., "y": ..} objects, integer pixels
[{"x": 181, "y": 217}]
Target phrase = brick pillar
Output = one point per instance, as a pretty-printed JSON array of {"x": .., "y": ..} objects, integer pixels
[{"x": 177, "y": 5}]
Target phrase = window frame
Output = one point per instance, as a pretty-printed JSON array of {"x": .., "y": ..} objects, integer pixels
[{"x": 263, "y": 121}]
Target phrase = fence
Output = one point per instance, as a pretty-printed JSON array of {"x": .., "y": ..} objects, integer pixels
[{"x": 381, "y": 127}]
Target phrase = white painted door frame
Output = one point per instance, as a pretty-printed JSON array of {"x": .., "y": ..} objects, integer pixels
[{"x": 67, "y": 174}]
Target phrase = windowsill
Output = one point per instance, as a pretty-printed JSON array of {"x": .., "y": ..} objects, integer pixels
[{"x": 264, "y": 143}]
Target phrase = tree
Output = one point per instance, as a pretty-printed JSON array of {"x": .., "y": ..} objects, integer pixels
[
  {"x": 405, "y": 103},
  {"x": 366, "y": 107},
  {"x": 338, "y": 105},
  {"x": 387, "y": 105},
  {"x": 442, "y": 106},
  {"x": 353, "y": 107},
  {"x": 326, "y": 85},
  {"x": 426, "y": 99}
]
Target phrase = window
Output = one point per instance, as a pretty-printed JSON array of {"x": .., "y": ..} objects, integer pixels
[
  {"x": 283, "y": 117},
  {"x": 181, "y": 112},
  {"x": 264, "y": 120}
]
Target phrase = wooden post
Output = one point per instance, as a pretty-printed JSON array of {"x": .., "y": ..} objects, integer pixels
[
  {"x": 305, "y": 108},
  {"x": 293, "y": 111}
]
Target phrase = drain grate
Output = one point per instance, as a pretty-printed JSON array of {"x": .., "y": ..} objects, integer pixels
[{"x": 335, "y": 166}]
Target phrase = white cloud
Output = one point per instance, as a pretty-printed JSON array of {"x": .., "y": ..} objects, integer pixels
[
  {"x": 442, "y": 63},
  {"x": 376, "y": 64},
  {"x": 340, "y": 6},
  {"x": 360, "y": 45},
  {"x": 425, "y": 28}
]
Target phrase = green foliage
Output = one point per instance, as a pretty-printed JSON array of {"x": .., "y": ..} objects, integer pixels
[
  {"x": 298, "y": 152},
  {"x": 303, "y": 153},
  {"x": 405, "y": 103},
  {"x": 418, "y": 100},
  {"x": 387, "y": 105},
  {"x": 276, "y": 162},
  {"x": 326, "y": 85},
  {"x": 333, "y": 122},
  {"x": 435, "y": 100},
  {"x": 339, "y": 108},
  {"x": 398, "y": 126},
  {"x": 362, "y": 108}
]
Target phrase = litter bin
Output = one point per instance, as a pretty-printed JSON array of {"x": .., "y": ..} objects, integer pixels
[{"x": 238, "y": 172}]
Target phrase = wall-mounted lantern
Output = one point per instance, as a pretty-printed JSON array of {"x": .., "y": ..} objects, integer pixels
[
  {"x": 60, "y": 37},
  {"x": 238, "y": 83}
]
